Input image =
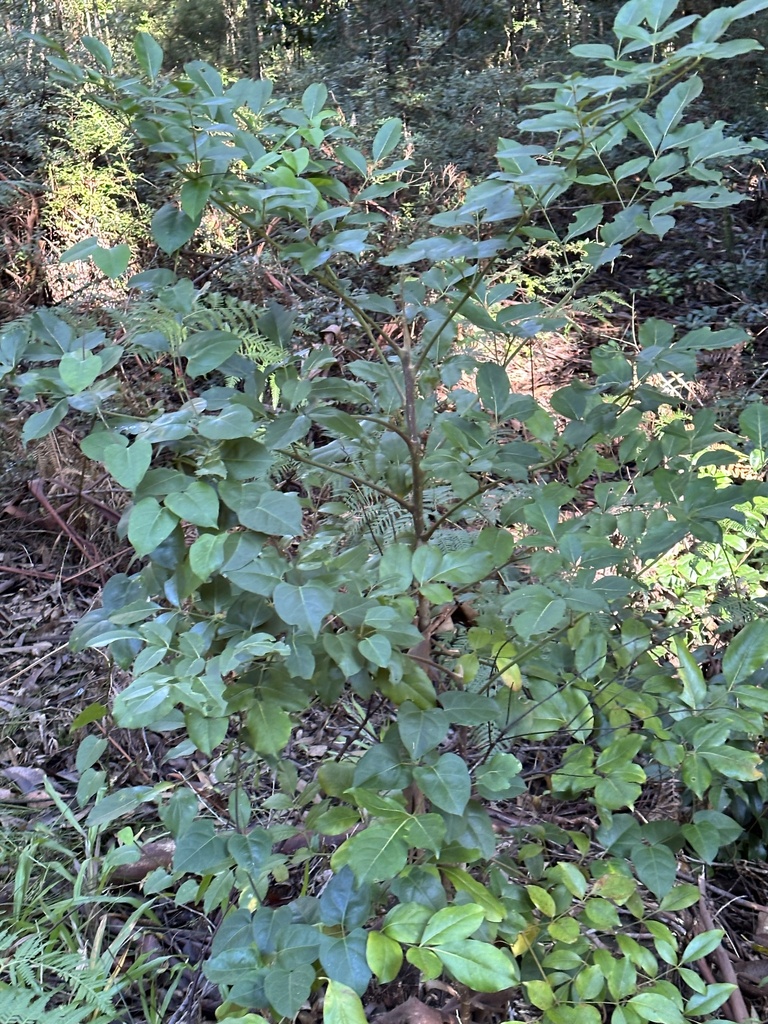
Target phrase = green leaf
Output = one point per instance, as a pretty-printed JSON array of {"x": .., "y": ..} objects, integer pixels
[
  {"x": 143, "y": 702},
  {"x": 313, "y": 99},
  {"x": 500, "y": 777},
  {"x": 702, "y": 1004},
  {"x": 746, "y": 653},
  {"x": 114, "y": 261},
  {"x": 578, "y": 1013},
  {"x": 656, "y": 868},
  {"x": 653, "y": 1006},
  {"x": 426, "y": 562},
  {"x": 246, "y": 1018},
  {"x": 594, "y": 51},
  {"x": 149, "y": 54},
  {"x": 479, "y": 965},
  {"x": 305, "y": 607},
  {"x": 274, "y": 513},
  {"x": 421, "y": 731},
  {"x": 467, "y": 565},
  {"x": 124, "y": 801},
  {"x": 587, "y": 219},
  {"x": 39, "y": 424},
  {"x": 670, "y": 110},
  {"x": 733, "y": 762},
  {"x": 198, "y": 504},
  {"x": 452, "y": 924},
  {"x": 540, "y": 994},
  {"x": 199, "y": 850},
  {"x": 172, "y": 228},
  {"x": 702, "y": 945},
  {"x": 98, "y": 51},
  {"x": 425, "y": 961},
  {"x": 128, "y": 466},
  {"x": 542, "y": 613},
  {"x": 384, "y": 956},
  {"x": 493, "y": 388},
  {"x": 704, "y": 838},
  {"x": 79, "y": 371},
  {"x": 664, "y": 941},
  {"x": 426, "y": 832},
  {"x": 565, "y": 930},
  {"x": 94, "y": 445},
  {"x": 446, "y": 783},
  {"x": 375, "y": 854},
  {"x": 747, "y": 8},
  {"x": 376, "y": 649},
  {"x": 94, "y": 712},
  {"x": 405, "y": 922},
  {"x": 195, "y": 193},
  {"x": 343, "y": 956},
  {"x": 353, "y": 159},
  {"x": 206, "y": 733},
  {"x": 387, "y": 138},
  {"x": 728, "y": 830},
  {"x": 753, "y": 422},
  {"x": 149, "y": 525},
  {"x": 395, "y": 574},
  {"x": 80, "y": 250},
  {"x": 589, "y": 983},
  {"x": 342, "y": 1005},
  {"x": 622, "y": 978},
  {"x": 288, "y": 990},
  {"x": 682, "y": 896},
  {"x": 462, "y": 881},
  {"x": 206, "y": 555},
  {"x": 614, "y": 792},
  {"x": 541, "y": 899},
  {"x": 205, "y": 350},
  {"x": 251, "y": 851},
  {"x": 572, "y": 878},
  {"x": 236, "y": 423},
  {"x": 466, "y": 708},
  {"x": 694, "y": 684},
  {"x": 268, "y": 727}
]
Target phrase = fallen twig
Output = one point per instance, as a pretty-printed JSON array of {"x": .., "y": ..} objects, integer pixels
[
  {"x": 88, "y": 549},
  {"x": 738, "y": 1008}
]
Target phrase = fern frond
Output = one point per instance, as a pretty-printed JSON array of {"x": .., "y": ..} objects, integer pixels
[
  {"x": 37, "y": 975},
  {"x": 210, "y": 311},
  {"x": 737, "y": 611},
  {"x": 24, "y": 1006}
]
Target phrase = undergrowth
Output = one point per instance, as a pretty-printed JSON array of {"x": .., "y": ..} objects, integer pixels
[{"x": 385, "y": 533}]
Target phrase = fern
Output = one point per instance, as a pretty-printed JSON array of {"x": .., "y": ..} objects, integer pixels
[
  {"x": 148, "y": 319},
  {"x": 226, "y": 313},
  {"x": 24, "y": 1006},
  {"x": 174, "y": 320},
  {"x": 452, "y": 540},
  {"x": 736, "y": 612},
  {"x": 387, "y": 521},
  {"x": 37, "y": 976}
]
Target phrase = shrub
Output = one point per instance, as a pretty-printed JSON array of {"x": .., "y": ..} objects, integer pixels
[{"x": 320, "y": 535}]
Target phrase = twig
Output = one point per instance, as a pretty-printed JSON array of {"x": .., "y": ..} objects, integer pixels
[
  {"x": 733, "y": 897},
  {"x": 33, "y": 664},
  {"x": 42, "y": 575},
  {"x": 88, "y": 549},
  {"x": 738, "y": 1008}
]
